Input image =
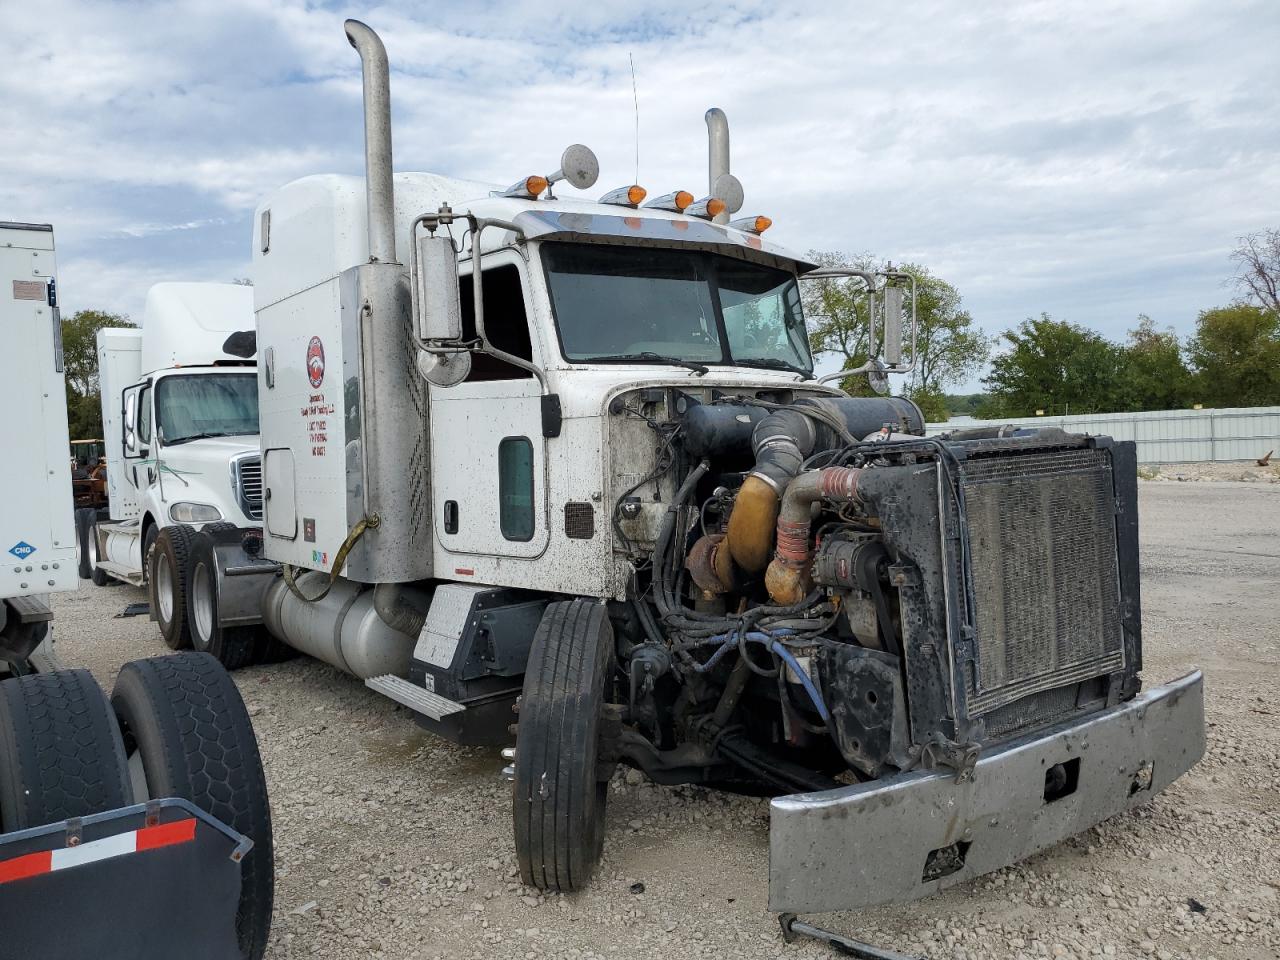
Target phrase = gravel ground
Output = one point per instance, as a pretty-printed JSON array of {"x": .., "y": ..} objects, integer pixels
[
  {"x": 1247, "y": 471},
  {"x": 392, "y": 843}
]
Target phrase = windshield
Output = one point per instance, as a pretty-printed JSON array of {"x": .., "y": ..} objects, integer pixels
[
  {"x": 207, "y": 405},
  {"x": 615, "y": 303}
]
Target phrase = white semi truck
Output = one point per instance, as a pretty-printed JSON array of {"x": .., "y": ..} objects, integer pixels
[
  {"x": 132, "y": 826},
  {"x": 180, "y": 416},
  {"x": 557, "y": 472}
]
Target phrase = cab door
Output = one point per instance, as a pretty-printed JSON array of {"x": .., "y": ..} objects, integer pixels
[
  {"x": 136, "y": 440},
  {"x": 488, "y": 455}
]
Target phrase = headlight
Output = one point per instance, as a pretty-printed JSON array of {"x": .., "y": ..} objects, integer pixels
[{"x": 194, "y": 513}]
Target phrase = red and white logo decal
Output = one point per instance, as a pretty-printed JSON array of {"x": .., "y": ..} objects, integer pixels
[{"x": 315, "y": 362}]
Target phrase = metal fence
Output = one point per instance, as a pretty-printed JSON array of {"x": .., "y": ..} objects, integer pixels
[{"x": 1169, "y": 436}]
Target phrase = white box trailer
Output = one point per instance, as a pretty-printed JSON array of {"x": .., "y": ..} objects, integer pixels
[
  {"x": 37, "y": 535},
  {"x": 98, "y": 800}
]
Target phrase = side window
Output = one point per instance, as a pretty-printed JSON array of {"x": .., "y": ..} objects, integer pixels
[
  {"x": 505, "y": 323},
  {"x": 515, "y": 488},
  {"x": 144, "y": 415}
]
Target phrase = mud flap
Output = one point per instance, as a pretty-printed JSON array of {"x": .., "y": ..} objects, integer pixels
[{"x": 144, "y": 882}]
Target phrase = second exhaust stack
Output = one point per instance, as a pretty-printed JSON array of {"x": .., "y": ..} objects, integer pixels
[{"x": 717, "y": 153}]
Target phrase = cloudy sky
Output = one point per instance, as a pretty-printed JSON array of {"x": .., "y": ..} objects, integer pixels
[{"x": 1094, "y": 160}]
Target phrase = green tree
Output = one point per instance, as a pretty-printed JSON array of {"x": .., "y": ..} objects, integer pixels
[
  {"x": 1154, "y": 374},
  {"x": 965, "y": 404},
  {"x": 836, "y": 315},
  {"x": 1054, "y": 366},
  {"x": 1236, "y": 356},
  {"x": 950, "y": 347},
  {"x": 80, "y": 361}
]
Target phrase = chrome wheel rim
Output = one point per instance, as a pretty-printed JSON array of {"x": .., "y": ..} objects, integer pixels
[
  {"x": 202, "y": 603},
  {"x": 164, "y": 588}
]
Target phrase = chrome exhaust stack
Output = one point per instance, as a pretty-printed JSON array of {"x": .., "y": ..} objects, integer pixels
[
  {"x": 717, "y": 155},
  {"x": 379, "y": 191}
]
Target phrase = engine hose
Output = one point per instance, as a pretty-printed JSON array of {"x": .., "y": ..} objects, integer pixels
[
  {"x": 770, "y": 642},
  {"x": 805, "y": 680},
  {"x": 665, "y": 534}
]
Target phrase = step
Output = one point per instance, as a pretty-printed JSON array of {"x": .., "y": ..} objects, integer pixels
[
  {"x": 414, "y": 697},
  {"x": 120, "y": 572},
  {"x": 30, "y": 609}
]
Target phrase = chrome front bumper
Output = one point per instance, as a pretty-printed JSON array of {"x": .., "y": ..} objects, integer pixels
[{"x": 899, "y": 839}]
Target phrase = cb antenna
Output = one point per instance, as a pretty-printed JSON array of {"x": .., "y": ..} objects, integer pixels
[{"x": 636, "y": 99}]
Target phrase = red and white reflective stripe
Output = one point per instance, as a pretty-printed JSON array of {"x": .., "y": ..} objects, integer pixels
[{"x": 135, "y": 841}]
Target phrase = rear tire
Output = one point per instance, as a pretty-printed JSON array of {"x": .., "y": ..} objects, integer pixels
[
  {"x": 61, "y": 754},
  {"x": 96, "y": 574},
  {"x": 560, "y": 792},
  {"x": 233, "y": 647},
  {"x": 184, "y": 719},
  {"x": 86, "y": 519},
  {"x": 167, "y": 568}
]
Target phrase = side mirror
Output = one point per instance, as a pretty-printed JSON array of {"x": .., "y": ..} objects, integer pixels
[
  {"x": 893, "y": 299},
  {"x": 439, "y": 301}
]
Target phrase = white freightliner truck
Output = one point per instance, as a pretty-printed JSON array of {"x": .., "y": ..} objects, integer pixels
[
  {"x": 134, "y": 827},
  {"x": 180, "y": 417},
  {"x": 557, "y": 471}
]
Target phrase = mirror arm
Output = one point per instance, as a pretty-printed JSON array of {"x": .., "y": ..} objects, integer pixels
[{"x": 478, "y": 224}]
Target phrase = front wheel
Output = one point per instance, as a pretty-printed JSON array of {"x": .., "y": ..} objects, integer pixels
[{"x": 560, "y": 786}]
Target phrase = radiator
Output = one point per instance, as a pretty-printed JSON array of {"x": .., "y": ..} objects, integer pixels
[{"x": 1044, "y": 575}]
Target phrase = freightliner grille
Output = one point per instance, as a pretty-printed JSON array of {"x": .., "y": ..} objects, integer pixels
[
  {"x": 248, "y": 481},
  {"x": 1043, "y": 566}
]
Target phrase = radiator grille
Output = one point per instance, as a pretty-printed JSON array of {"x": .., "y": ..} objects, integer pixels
[
  {"x": 248, "y": 483},
  {"x": 1042, "y": 558}
]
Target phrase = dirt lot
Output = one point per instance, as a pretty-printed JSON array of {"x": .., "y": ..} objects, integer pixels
[{"x": 391, "y": 843}]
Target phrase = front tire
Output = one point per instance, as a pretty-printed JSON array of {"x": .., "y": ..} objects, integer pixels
[
  {"x": 61, "y": 753},
  {"x": 560, "y": 791},
  {"x": 233, "y": 647},
  {"x": 185, "y": 721},
  {"x": 167, "y": 568}
]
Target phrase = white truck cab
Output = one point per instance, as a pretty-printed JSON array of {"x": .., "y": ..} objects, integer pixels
[
  {"x": 180, "y": 414},
  {"x": 566, "y": 461}
]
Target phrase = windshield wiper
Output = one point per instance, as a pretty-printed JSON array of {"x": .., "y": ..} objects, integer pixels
[
  {"x": 698, "y": 368},
  {"x": 770, "y": 363},
  {"x": 197, "y": 436}
]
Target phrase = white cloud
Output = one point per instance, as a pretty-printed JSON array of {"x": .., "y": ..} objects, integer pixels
[{"x": 1092, "y": 160}]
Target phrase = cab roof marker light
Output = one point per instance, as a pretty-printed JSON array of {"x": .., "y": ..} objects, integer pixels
[
  {"x": 675, "y": 202},
  {"x": 530, "y": 188},
  {"x": 708, "y": 208},
  {"x": 756, "y": 225},
  {"x": 631, "y": 196}
]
